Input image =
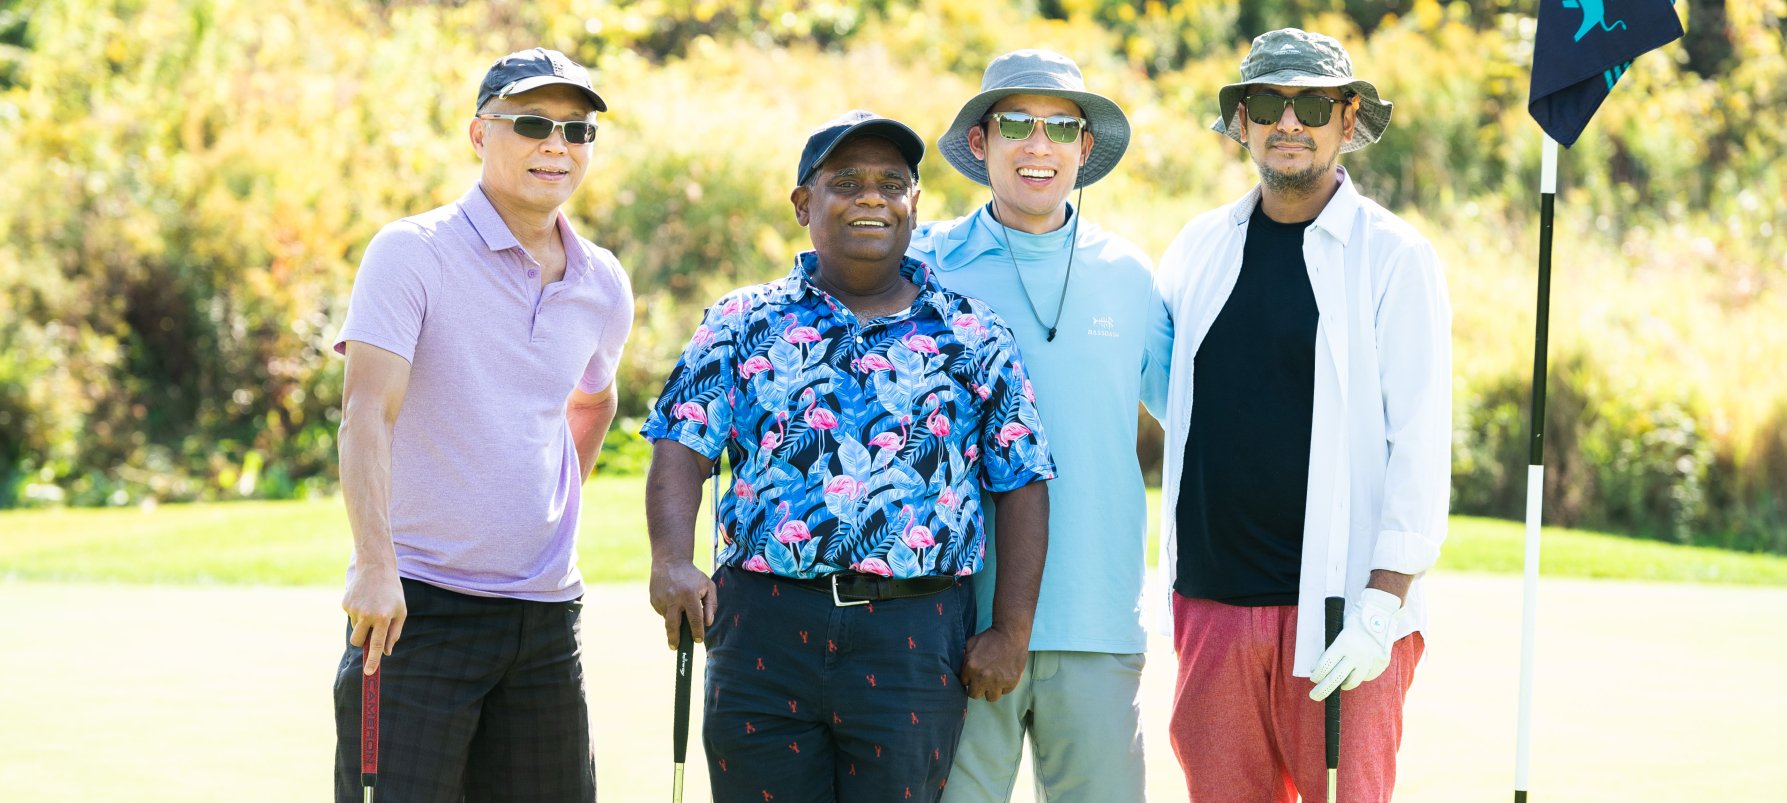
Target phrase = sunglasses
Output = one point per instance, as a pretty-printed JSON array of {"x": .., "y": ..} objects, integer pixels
[
  {"x": 1059, "y": 128},
  {"x": 533, "y": 126},
  {"x": 1312, "y": 110}
]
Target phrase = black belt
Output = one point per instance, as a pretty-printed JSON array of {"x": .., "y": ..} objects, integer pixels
[{"x": 856, "y": 588}]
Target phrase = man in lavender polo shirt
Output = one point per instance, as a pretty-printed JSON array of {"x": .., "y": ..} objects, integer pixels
[{"x": 481, "y": 344}]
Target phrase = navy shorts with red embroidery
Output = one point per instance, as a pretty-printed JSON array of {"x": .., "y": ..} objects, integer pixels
[{"x": 808, "y": 701}]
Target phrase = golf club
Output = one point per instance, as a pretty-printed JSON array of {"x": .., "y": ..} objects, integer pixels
[
  {"x": 685, "y": 662},
  {"x": 369, "y": 693},
  {"x": 1334, "y": 608},
  {"x": 685, "y": 658}
]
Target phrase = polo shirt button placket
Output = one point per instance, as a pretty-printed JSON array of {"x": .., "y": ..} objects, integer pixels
[{"x": 533, "y": 273}]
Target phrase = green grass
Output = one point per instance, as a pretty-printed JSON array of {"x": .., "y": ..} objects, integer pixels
[
  {"x": 265, "y": 543},
  {"x": 307, "y": 543},
  {"x": 1493, "y": 545}
]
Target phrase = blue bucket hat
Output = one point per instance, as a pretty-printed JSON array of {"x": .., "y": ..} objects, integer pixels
[{"x": 1038, "y": 72}]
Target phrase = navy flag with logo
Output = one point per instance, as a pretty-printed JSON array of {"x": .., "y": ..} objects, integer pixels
[{"x": 1582, "y": 48}]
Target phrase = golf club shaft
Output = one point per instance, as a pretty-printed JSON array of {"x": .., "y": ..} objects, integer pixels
[
  {"x": 685, "y": 659},
  {"x": 1334, "y": 609},
  {"x": 369, "y": 706}
]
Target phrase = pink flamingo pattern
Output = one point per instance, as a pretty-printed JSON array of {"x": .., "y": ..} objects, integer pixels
[{"x": 856, "y": 445}]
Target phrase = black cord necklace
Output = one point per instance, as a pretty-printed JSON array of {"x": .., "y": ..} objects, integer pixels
[{"x": 1072, "y": 246}]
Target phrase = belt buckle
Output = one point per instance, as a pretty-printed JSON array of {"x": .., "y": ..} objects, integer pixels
[{"x": 836, "y": 600}]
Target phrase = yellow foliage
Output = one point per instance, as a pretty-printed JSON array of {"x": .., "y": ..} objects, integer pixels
[{"x": 189, "y": 184}]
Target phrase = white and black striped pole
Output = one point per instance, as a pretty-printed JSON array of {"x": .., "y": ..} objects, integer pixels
[{"x": 1535, "y": 474}]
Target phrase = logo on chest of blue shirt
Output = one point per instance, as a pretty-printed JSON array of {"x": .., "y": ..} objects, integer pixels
[{"x": 1103, "y": 326}]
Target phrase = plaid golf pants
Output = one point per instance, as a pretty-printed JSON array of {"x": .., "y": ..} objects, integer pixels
[
  {"x": 808, "y": 702},
  {"x": 482, "y": 699}
]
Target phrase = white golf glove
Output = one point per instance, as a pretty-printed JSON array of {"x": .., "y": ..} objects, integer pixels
[{"x": 1362, "y": 650}]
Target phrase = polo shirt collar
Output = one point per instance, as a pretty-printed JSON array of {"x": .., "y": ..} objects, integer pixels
[
  {"x": 497, "y": 237},
  {"x": 484, "y": 219}
]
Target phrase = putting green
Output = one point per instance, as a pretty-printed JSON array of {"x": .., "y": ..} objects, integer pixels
[{"x": 1646, "y": 692}]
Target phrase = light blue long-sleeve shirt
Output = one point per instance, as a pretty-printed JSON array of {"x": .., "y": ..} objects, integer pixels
[{"x": 1111, "y": 351}]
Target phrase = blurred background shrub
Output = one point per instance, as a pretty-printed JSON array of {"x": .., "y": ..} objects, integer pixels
[{"x": 187, "y": 186}]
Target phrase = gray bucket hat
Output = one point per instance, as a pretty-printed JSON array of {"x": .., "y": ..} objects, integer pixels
[
  {"x": 1293, "y": 57},
  {"x": 1038, "y": 72}
]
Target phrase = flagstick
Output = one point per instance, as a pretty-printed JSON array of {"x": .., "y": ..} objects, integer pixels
[{"x": 1535, "y": 473}]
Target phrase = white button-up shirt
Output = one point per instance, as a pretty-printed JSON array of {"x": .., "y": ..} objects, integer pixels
[{"x": 1380, "y": 441}]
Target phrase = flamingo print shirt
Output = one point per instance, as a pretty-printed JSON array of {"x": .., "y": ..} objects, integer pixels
[{"x": 855, "y": 445}]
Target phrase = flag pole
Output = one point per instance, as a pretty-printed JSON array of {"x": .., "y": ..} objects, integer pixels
[{"x": 1535, "y": 472}]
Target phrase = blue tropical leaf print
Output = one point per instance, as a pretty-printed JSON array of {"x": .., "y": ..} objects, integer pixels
[
  {"x": 853, "y": 456},
  {"x": 903, "y": 560},
  {"x": 782, "y": 560},
  {"x": 835, "y": 423}
]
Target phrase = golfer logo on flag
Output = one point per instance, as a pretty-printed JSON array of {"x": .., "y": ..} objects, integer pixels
[
  {"x": 1593, "y": 14},
  {"x": 1582, "y": 47}
]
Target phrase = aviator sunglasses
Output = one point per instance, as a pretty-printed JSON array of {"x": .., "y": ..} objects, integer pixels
[
  {"x": 1313, "y": 111},
  {"x": 1060, "y": 128},
  {"x": 533, "y": 126}
]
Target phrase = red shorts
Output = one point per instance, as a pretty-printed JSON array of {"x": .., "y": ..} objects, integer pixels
[{"x": 1243, "y": 726}]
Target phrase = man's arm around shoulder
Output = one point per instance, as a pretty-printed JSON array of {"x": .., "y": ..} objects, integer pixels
[{"x": 372, "y": 395}]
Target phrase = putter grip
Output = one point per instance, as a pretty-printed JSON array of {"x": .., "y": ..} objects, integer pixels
[
  {"x": 1334, "y": 609},
  {"x": 685, "y": 659},
  {"x": 369, "y": 696}
]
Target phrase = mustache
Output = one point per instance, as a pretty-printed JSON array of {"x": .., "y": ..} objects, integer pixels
[{"x": 1276, "y": 137}]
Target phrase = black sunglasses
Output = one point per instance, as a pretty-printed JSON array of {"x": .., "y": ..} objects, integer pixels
[
  {"x": 1061, "y": 128},
  {"x": 533, "y": 126},
  {"x": 1312, "y": 110}
]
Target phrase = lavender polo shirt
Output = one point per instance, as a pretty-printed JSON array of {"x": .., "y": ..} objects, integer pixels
[{"x": 484, "y": 474}]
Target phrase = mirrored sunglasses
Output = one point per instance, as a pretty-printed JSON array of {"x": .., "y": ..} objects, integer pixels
[
  {"x": 1060, "y": 128},
  {"x": 533, "y": 126},
  {"x": 1313, "y": 111}
]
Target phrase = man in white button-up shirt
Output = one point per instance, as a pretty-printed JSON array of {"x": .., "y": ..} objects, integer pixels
[{"x": 1313, "y": 333}]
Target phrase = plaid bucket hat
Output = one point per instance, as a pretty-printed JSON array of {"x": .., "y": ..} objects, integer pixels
[
  {"x": 1293, "y": 57},
  {"x": 1038, "y": 72}
]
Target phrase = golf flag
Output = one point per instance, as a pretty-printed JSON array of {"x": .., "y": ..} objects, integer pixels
[{"x": 1582, "y": 48}]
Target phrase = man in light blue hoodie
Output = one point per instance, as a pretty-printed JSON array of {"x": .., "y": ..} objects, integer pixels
[{"x": 1096, "y": 341}]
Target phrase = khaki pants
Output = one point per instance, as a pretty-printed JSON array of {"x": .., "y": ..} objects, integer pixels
[{"x": 1081, "y": 713}]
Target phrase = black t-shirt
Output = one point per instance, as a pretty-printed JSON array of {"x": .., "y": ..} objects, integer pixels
[{"x": 1246, "y": 476}]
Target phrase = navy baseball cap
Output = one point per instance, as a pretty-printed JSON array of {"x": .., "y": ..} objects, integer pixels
[
  {"x": 531, "y": 69},
  {"x": 827, "y": 137}
]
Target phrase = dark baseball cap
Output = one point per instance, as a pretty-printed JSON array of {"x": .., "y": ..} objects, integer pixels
[
  {"x": 827, "y": 137},
  {"x": 524, "y": 70}
]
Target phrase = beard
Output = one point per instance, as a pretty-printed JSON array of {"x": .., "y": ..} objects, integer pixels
[{"x": 1294, "y": 183}]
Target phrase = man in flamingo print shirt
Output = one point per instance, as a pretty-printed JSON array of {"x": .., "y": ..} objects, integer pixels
[{"x": 864, "y": 408}]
